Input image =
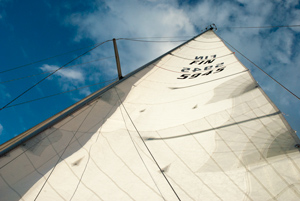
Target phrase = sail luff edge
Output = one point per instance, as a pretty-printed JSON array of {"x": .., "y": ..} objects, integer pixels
[{"x": 25, "y": 136}]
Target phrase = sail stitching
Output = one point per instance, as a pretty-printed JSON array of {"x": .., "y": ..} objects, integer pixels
[
  {"x": 202, "y": 48},
  {"x": 158, "y": 193},
  {"x": 58, "y": 152},
  {"x": 138, "y": 151},
  {"x": 95, "y": 161},
  {"x": 85, "y": 167},
  {"x": 77, "y": 139},
  {"x": 188, "y": 166},
  {"x": 194, "y": 58},
  {"x": 258, "y": 151},
  {"x": 224, "y": 172},
  {"x": 60, "y": 157},
  {"x": 287, "y": 156},
  {"x": 147, "y": 147},
  {"x": 263, "y": 71},
  {"x": 36, "y": 170},
  {"x": 11, "y": 187},
  {"x": 247, "y": 169},
  {"x": 40, "y": 140}
]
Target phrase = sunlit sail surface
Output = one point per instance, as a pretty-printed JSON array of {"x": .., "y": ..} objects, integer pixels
[{"x": 191, "y": 125}]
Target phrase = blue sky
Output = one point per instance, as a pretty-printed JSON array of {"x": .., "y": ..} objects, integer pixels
[{"x": 37, "y": 29}]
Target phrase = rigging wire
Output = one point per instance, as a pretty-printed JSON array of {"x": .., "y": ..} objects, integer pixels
[
  {"x": 139, "y": 39},
  {"x": 53, "y": 71},
  {"x": 34, "y": 62},
  {"x": 135, "y": 146},
  {"x": 262, "y": 69},
  {"x": 147, "y": 147},
  {"x": 156, "y": 37},
  {"x": 51, "y": 74},
  {"x": 76, "y": 89},
  {"x": 151, "y": 41},
  {"x": 60, "y": 156},
  {"x": 261, "y": 27}
]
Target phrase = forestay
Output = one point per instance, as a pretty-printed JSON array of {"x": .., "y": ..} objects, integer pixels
[{"x": 197, "y": 111}]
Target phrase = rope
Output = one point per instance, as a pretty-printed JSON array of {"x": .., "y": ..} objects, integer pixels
[
  {"x": 20, "y": 78},
  {"x": 148, "y": 148},
  {"x": 76, "y": 89},
  {"x": 151, "y": 41},
  {"x": 140, "y": 154},
  {"x": 60, "y": 157},
  {"x": 34, "y": 62},
  {"x": 262, "y": 70},
  {"x": 51, "y": 74},
  {"x": 262, "y": 27},
  {"x": 156, "y": 37}
]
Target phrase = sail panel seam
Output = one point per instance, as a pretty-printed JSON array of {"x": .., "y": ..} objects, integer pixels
[
  {"x": 147, "y": 147},
  {"x": 262, "y": 70},
  {"x": 136, "y": 147}
]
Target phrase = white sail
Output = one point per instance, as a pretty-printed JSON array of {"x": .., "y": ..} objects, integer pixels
[{"x": 192, "y": 125}]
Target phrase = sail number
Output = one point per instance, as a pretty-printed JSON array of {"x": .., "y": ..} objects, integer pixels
[{"x": 192, "y": 73}]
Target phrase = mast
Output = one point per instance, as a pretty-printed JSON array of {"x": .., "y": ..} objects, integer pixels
[{"x": 117, "y": 59}]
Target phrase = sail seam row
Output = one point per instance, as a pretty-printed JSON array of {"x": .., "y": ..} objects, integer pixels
[
  {"x": 49, "y": 122},
  {"x": 60, "y": 157},
  {"x": 194, "y": 58},
  {"x": 259, "y": 152},
  {"x": 139, "y": 152},
  {"x": 37, "y": 171},
  {"x": 85, "y": 167},
  {"x": 262, "y": 70},
  {"x": 34, "y": 144},
  {"x": 187, "y": 166},
  {"x": 148, "y": 148}
]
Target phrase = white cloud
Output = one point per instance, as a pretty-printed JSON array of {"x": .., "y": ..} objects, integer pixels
[
  {"x": 272, "y": 49},
  {"x": 134, "y": 19},
  {"x": 68, "y": 79},
  {"x": 69, "y": 74},
  {"x": 1, "y": 129}
]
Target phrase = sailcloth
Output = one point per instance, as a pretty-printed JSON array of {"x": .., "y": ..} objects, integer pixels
[{"x": 191, "y": 125}]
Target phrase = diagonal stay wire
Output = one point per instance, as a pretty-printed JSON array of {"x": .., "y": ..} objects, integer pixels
[
  {"x": 151, "y": 41},
  {"x": 76, "y": 89},
  {"x": 262, "y": 70},
  {"x": 20, "y": 78},
  {"x": 60, "y": 157},
  {"x": 156, "y": 37},
  {"x": 34, "y": 62},
  {"x": 148, "y": 148},
  {"x": 262, "y": 27},
  {"x": 135, "y": 146},
  {"x": 139, "y": 39},
  {"x": 51, "y": 74}
]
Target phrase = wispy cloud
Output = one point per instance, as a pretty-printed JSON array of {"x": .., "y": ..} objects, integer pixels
[
  {"x": 134, "y": 18},
  {"x": 69, "y": 74},
  {"x": 67, "y": 78},
  {"x": 1, "y": 129},
  {"x": 272, "y": 49}
]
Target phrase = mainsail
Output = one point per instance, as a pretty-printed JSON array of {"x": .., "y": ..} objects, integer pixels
[{"x": 191, "y": 125}]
